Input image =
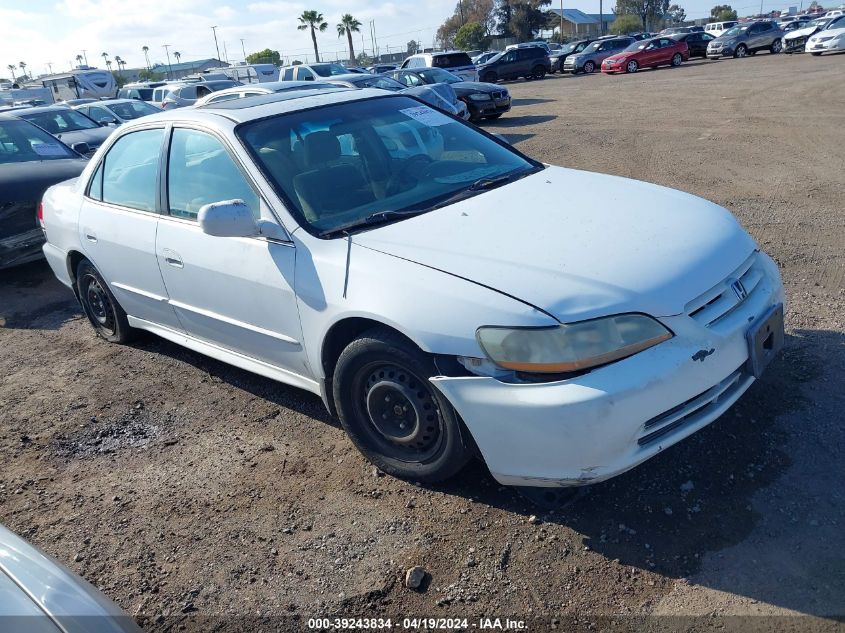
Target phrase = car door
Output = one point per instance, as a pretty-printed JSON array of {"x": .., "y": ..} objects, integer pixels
[
  {"x": 666, "y": 49},
  {"x": 236, "y": 293},
  {"x": 118, "y": 221}
]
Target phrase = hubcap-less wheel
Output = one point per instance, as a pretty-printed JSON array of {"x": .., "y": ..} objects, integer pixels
[
  {"x": 741, "y": 51},
  {"x": 589, "y": 67},
  {"x": 399, "y": 406},
  {"x": 100, "y": 308},
  {"x": 632, "y": 66},
  {"x": 677, "y": 59}
]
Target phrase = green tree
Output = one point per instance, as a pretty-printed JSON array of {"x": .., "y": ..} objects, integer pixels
[
  {"x": 146, "y": 50},
  {"x": 625, "y": 24},
  {"x": 481, "y": 11},
  {"x": 650, "y": 12},
  {"x": 120, "y": 80},
  {"x": 413, "y": 47},
  {"x": 521, "y": 19},
  {"x": 145, "y": 74},
  {"x": 267, "y": 56},
  {"x": 313, "y": 21},
  {"x": 347, "y": 26},
  {"x": 722, "y": 12},
  {"x": 11, "y": 68},
  {"x": 676, "y": 14},
  {"x": 22, "y": 66},
  {"x": 363, "y": 60},
  {"x": 470, "y": 37}
]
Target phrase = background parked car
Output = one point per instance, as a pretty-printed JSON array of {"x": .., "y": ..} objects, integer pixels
[
  {"x": 381, "y": 68},
  {"x": 30, "y": 161},
  {"x": 187, "y": 94},
  {"x": 484, "y": 100},
  {"x": 266, "y": 88},
  {"x": 660, "y": 51},
  {"x": 558, "y": 58},
  {"x": 142, "y": 90},
  {"x": 531, "y": 63},
  {"x": 40, "y": 595},
  {"x": 828, "y": 40},
  {"x": 440, "y": 95},
  {"x": 717, "y": 28},
  {"x": 747, "y": 39},
  {"x": 67, "y": 125},
  {"x": 484, "y": 57},
  {"x": 794, "y": 41},
  {"x": 696, "y": 42},
  {"x": 590, "y": 58},
  {"x": 457, "y": 62},
  {"x": 117, "y": 111},
  {"x": 311, "y": 72}
]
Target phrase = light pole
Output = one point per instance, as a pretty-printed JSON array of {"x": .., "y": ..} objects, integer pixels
[
  {"x": 214, "y": 30},
  {"x": 243, "y": 48},
  {"x": 167, "y": 50}
]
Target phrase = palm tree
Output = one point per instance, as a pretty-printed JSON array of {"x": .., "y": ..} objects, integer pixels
[
  {"x": 313, "y": 20},
  {"x": 79, "y": 59},
  {"x": 105, "y": 57},
  {"x": 346, "y": 26},
  {"x": 146, "y": 50},
  {"x": 177, "y": 55},
  {"x": 22, "y": 66},
  {"x": 11, "y": 68},
  {"x": 108, "y": 64},
  {"x": 119, "y": 62}
]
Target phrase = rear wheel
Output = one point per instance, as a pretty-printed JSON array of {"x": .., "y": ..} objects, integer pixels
[
  {"x": 741, "y": 51},
  {"x": 631, "y": 66},
  {"x": 677, "y": 59},
  {"x": 589, "y": 67},
  {"x": 815, "y": 54},
  {"x": 490, "y": 78},
  {"x": 777, "y": 47},
  {"x": 538, "y": 72},
  {"x": 392, "y": 413},
  {"x": 100, "y": 306}
]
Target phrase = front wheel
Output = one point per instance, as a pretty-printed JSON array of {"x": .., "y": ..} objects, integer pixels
[
  {"x": 777, "y": 47},
  {"x": 677, "y": 59},
  {"x": 392, "y": 413},
  {"x": 493, "y": 117},
  {"x": 100, "y": 306},
  {"x": 632, "y": 66},
  {"x": 589, "y": 67},
  {"x": 741, "y": 51}
]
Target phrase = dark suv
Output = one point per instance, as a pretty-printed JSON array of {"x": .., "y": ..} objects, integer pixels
[{"x": 531, "y": 62}]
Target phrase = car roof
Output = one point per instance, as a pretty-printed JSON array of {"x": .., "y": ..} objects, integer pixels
[
  {"x": 261, "y": 106},
  {"x": 47, "y": 108}
]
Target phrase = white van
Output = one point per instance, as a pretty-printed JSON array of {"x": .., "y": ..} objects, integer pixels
[
  {"x": 717, "y": 28},
  {"x": 247, "y": 73}
]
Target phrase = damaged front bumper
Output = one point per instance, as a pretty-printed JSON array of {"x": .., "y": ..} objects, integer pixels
[{"x": 598, "y": 425}]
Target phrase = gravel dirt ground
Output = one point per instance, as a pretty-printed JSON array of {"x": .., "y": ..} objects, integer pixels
[{"x": 198, "y": 496}]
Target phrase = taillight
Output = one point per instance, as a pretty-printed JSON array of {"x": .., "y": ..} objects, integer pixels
[{"x": 41, "y": 214}]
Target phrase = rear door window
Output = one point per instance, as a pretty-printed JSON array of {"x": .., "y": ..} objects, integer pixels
[
  {"x": 452, "y": 60},
  {"x": 130, "y": 170}
]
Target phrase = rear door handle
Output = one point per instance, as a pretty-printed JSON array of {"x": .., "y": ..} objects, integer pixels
[{"x": 90, "y": 237}]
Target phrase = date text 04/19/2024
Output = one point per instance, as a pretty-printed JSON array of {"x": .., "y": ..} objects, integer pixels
[{"x": 422, "y": 624}]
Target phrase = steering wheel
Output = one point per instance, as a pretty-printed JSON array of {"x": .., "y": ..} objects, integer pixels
[{"x": 405, "y": 178}]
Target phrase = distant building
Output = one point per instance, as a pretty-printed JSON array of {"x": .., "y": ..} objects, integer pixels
[
  {"x": 183, "y": 69},
  {"x": 579, "y": 24}
]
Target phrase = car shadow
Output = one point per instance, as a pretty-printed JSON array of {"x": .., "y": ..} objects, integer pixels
[
  {"x": 520, "y": 121},
  {"x": 527, "y": 102},
  {"x": 31, "y": 298},
  {"x": 706, "y": 495}
]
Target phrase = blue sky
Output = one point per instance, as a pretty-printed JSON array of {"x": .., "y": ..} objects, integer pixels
[{"x": 55, "y": 31}]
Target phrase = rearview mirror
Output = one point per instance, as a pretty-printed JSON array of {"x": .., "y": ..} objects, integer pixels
[{"x": 228, "y": 218}]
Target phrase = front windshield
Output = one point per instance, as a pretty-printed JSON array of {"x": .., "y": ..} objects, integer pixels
[
  {"x": 569, "y": 48},
  {"x": 495, "y": 58},
  {"x": 339, "y": 165},
  {"x": 60, "y": 121},
  {"x": 735, "y": 30},
  {"x": 636, "y": 46},
  {"x": 438, "y": 76},
  {"x": 134, "y": 110},
  {"x": 593, "y": 47},
  {"x": 21, "y": 142},
  {"x": 385, "y": 83},
  {"x": 329, "y": 70}
]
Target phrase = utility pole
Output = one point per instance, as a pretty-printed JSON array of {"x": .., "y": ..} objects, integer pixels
[
  {"x": 560, "y": 36},
  {"x": 225, "y": 53},
  {"x": 50, "y": 67},
  {"x": 169, "y": 69},
  {"x": 601, "y": 19},
  {"x": 214, "y": 30},
  {"x": 243, "y": 48},
  {"x": 84, "y": 54},
  {"x": 373, "y": 38},
  {"x": 461, "y": 8}
]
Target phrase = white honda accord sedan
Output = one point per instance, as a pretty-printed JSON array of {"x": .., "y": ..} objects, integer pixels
[{"x": 443, "y": 293}]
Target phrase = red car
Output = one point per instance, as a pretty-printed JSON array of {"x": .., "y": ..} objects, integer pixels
[{"x": 660, "y": 51}]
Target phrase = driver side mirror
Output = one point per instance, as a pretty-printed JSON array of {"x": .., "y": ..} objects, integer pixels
[
  {"x": 106, "y": 121},
  {"x": 81, "y": 148},
  {"x": 228, "y": 218}
]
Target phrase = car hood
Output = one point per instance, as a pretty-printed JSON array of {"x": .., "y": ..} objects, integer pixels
[
  {"x": 829, "y": 33},
  {"x": 94, "y": 137},
  {"x": 472, "y": 87},
  {"x": 576, "y": 244},
  {"x": 800, "y": 32}
]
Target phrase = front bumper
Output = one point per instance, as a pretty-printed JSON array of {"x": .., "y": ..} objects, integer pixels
[
  {"x": 498, "y": 105},
  {"x": 611, "y": 67},
  {"x": 593, "y": 427},
  {"x": 794, "y": 44},
  {"x": 716, "y": 53}
]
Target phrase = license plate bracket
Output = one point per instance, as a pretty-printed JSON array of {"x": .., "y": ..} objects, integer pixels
[{"x": 765, "y": 339}]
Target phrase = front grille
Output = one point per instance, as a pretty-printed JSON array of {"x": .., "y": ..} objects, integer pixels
[
  {"x": 718, "y": 302},
  {"x": 693, "y": 409}
]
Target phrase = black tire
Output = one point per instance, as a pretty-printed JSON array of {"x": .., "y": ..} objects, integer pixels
[
  {"x": 677, "y": 59},
  {"x": 741, "y": 51},
  {"x": 589, "y": 67},
  {"x": 102, "y": 309},
  {"x": 777, "y": 47},
  {"x": 490, "y": 78},
  {"x": 538, "y": 72},
  {"x": 493, "y": 117},
  {"x": 393, "y": 414},
  {"x": 815, "y": 54}
]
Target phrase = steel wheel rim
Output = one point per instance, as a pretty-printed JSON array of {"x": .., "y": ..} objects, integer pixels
[
  {"x": 401, "y": 415},
  {"x": 99, "y": 304}
]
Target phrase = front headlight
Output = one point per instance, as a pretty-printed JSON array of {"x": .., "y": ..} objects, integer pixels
[
  {"x": 478, "y": 96},
  {"x": 571, "y": 347}
]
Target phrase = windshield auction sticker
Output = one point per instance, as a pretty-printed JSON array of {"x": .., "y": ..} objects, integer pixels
[
  {"x": 49, "y": 149},
  {"x": 426, "y": 116}
]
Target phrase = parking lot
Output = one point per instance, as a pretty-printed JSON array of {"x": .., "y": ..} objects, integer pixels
[{"x": 187, "y": 489}]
